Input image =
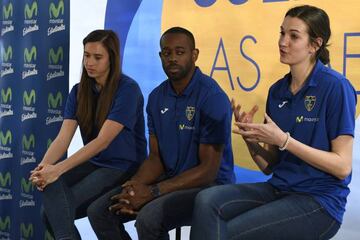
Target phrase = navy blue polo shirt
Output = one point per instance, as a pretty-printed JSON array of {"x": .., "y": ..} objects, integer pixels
[
  {"x": 200, "y": 115},
  {"x": 321, "y": 111},
  {"x": 128, "y": 148}
]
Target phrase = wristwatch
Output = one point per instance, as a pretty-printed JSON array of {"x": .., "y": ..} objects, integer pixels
[{"x": 155, "y": 190}]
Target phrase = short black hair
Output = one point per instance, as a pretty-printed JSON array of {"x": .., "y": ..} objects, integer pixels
[{"x": 182, "y": 31}]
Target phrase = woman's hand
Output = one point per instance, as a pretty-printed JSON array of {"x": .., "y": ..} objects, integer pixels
[
  {"x": 43, "y": 175},
  {"x": 267, "y": 132},
  {"x": 242, "y": 117}
]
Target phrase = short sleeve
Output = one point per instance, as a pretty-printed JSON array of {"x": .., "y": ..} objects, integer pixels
[
  {"x": 341, "y": 107},
  {"x": 215, "y": 122},
  {"x": 125, "y": 105},
  {"x": 71, "y": 104}
]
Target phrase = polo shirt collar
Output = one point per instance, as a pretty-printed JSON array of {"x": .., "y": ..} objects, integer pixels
[
  {"x": 311, "y": 81},
  {"x": 188, "y": 89}
]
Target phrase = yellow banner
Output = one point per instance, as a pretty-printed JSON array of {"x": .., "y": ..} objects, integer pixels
[{"x": 238, "y": 42}]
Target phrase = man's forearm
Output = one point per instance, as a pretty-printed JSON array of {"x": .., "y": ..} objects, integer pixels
[
  {"x": 192, "y": 178},
  {"x": 150, "y": 171}
]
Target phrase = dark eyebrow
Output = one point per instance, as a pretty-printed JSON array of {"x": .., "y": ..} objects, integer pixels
[
  {"x": 96, "y": 54},
  {"x": 291, "y": 30}
]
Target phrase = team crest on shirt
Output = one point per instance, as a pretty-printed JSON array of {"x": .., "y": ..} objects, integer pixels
[
  {"x": 190, "y": 112},
  {"x": 310, "y": 102}
]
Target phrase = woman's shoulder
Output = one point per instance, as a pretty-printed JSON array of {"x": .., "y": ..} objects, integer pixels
[
  {"x": 74, "y": 89},
  {"x": 331, "y": 77},
  {"x": 128, "y": 84}
]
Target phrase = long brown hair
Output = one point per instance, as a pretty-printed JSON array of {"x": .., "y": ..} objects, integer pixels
[{"x": 91, "y": 113}]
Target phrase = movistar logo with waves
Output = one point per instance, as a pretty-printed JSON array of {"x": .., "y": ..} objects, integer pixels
[
  {"x": 28, "y": 142},
  {"x": 29, "y": 12},
  {"x": 5, "y": 223},
  {"x": 54, "y": 57},
  {"x": 8, "y": 11},
  {"x": 6, "y": 138},
  {"x": 55, "y": 102},
  {"x": 7, "y": 54},
  {"x": 30, "y": 55},
  {"x": 29, "y": 98},
  {"x": 6, "y": 96},
  {"x": 54, "y": 11},
  {"x": 26, "y": 231},
  {"x": 26, "y": 186},
  {"x": 5, "y": 180}
]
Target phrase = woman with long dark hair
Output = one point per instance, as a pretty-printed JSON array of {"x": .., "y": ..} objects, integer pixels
[
  {"x": 306, "y": 142},
  {"x": 108, "y": 107}
]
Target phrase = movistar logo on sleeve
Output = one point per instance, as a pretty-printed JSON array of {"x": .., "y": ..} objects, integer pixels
[
  {"x": 6, "y": 138},
  {"x": 7, "y": 11},
  {"x": 6, "y": 96},
  {"x": 29, "y": 12},
  {"x": 29, "y": 98},
  {"x": 26, "y": 186},
  {"x": 30, "y": 55},
  {"x": 54, "y": 11},
  {"x": 5, "y": 179},
  {"x": 28, "y": 142},
  {"x": 7, "y": 54},
  {"x": 26, "y": 231},
  {"x": 5, "y": 223},
  {"x": 54, "y": 57},
  {"x": 55, "y": 102}
]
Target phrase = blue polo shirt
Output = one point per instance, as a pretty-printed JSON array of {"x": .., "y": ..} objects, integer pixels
[
  {"x": 200, "y": 115},
  {"x": 128, "y": 148},
  {"x": 321, "y": 111}
]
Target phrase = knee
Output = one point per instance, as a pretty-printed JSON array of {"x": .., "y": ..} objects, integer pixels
[
  {"x": 148, "y": 221},
  {"x": 206, "y": 200},
  {"x": 97, "y": 211}
]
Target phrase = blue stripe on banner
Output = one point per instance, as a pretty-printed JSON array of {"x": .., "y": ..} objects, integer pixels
[{"x": 119, "y": 17}]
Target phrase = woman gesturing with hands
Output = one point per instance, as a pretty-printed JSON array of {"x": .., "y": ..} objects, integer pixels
[{"x": 305, "y": 142}]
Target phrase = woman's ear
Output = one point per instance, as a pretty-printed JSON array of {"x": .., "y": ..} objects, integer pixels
[{"x": 317, "y": 44}]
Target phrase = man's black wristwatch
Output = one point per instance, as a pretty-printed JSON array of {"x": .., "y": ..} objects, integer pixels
[{"x": 155, "y": 190}]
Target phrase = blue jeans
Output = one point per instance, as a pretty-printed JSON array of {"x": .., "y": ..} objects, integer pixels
[
  {"x": 68, "y": 198},
  {"x": 153, "y": 221},
  {"x": 259, "y": 211}
]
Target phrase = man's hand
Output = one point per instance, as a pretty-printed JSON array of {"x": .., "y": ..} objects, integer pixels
[{"x": 133, "y": 196}]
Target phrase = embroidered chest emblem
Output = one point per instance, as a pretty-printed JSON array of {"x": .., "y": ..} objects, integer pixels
[
  {"x": 309, "y": 102},
  {"x": 190, "y": 112}
]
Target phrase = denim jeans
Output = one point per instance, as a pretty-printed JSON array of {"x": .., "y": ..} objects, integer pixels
[
  {"x": 68, "y": 198},
  {"x": 153, "y": 221},
  {"x": 259, "y": 211}
]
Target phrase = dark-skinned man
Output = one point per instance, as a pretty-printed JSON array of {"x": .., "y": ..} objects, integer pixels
[{"x": 189, "y": 121}]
